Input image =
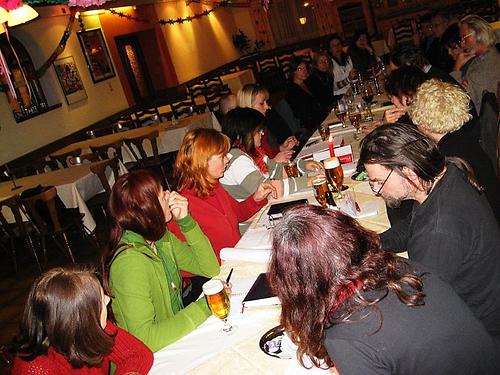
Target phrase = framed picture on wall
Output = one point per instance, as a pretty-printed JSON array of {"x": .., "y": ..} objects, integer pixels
[
  {"x": 70, "y": 80},
  {"x": 96, "y": 54}
]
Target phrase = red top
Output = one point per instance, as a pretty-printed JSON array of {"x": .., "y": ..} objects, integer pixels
[
  {"x": 129, "y": 355},
  {"x": 218, "y": 216}
]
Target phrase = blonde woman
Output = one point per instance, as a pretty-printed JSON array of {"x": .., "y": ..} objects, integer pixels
[{"x": 278, "y": 140}]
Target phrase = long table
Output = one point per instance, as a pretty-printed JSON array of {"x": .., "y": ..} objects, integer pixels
[
  {"x": 207, "y": 350},
  {"x": 169, "y": 139},
  {"x": 74, "y": 186}
]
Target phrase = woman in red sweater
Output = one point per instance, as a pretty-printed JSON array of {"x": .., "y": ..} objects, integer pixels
[
  {"x": 201, "y": 162},
  {"x": 65, "y": 330}
]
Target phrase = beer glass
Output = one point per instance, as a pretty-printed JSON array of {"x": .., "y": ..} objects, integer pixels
[
  {"x": 320, "y": 187},
  {"x": 291, "y": 168},
  {"x": 334, "y": 174},
  {"x": 324, "y": 132},
  {"x": 218, "y": 301},
  {"x": 355, "y": 118},
  {"x": 341, "y": 113}
]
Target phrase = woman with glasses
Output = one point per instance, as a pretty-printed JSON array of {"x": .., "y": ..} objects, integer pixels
[
  {"x": 320, "y": 81},
  {"x": 356, "y": 310},
  {"x": 65, "y": 330},
  {"x": 142, "y": 260},
  {"x": 249, "y": 166},
  {"x": 452, "y": 41}
]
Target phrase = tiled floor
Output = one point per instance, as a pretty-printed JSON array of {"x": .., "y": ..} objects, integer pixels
[{"x": 14, "y": 287}]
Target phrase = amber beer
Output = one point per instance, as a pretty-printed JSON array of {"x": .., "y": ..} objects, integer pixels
[
  {"x": 217, "y": 298},
  {"x": 334, "y": 173},
  {"x": 291, "y": 169},
  {"x": 320, "y": 188},
  {"x": 355, "y": 118}
]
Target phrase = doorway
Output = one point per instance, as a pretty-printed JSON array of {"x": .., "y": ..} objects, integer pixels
[{"x": 136, "y": 69}]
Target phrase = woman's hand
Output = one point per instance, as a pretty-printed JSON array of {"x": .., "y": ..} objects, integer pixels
[
  {"x": 263, "y": 190},
  {"x": 462, "y": 58},
  {"x": 283, "y": 156},
  {"x": 178, "y": 205},
  {"x": 393, "y": 115},
  {"x": 313, "y": 166},
  {"x": 289, "y": 143}
]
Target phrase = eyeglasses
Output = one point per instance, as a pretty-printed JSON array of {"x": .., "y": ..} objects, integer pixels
[
  {"x": 372, "y": 184},
  {"x": 462, "y": 39}
]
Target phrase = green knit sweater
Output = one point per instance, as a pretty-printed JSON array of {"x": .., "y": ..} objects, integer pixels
[{"x": 146, "y": 287}]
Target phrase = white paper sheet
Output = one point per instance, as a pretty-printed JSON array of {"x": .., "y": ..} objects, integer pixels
[{"x": 246, "y": 255}]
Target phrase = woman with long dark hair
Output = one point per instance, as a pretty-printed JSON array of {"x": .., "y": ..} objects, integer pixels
[
  {"x": 249, "y": 166},
  {"x": 142, "y": 260},
  {"x": 343, "y": 70},
  {"x": 362, "y": 55},
  {"x": 300, "y": 97},
  {"x": 64, "y": 330},
  {"x": 347, "y": 304}
]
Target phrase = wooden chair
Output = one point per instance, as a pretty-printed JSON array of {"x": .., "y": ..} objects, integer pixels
[
  {"x": 136, "y": 144},
  {"x": 145, "y": 116},
  {"x": 103, "y": 151},
  {"x": 195, "y": 90},
  {"x": 184, "y": 108},
  {"x": 212, "y": 101},
  {"x": 284, "y": 63},
  {"x": 99, "y": 170},
  {"x": 83, "y": 158},
  {"x": 42, "y": 166},
  {"x": 270, "y": 74},
  {"x": 20, "y": 230},
  {"x": 63, "y": 158},
  {"x": 55, "y": 223},
  {"x": 213, "y": 82}
]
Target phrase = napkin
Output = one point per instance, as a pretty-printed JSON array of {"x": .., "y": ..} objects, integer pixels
[{"x": 246, "y": 255}]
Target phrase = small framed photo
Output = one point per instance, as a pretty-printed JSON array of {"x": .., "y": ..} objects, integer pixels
[
  {"x": 70, "y": 80},
  {"x": 96, "y": 54}
]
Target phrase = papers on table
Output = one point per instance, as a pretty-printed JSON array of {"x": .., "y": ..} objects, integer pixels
[{"x": 246, "y": 255}]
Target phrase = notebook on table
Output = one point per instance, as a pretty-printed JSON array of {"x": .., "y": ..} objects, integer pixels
[
  {"x": 276, "y": 210},
  {"x": 260, "y": 294}
]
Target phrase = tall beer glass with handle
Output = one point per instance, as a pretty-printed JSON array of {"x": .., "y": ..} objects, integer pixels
[
  {"x": 218, "y": 301},
  {"x": 334, "y": 174}
]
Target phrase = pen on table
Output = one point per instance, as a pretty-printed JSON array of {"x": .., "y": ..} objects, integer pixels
[{"x": 229, "y": 276}]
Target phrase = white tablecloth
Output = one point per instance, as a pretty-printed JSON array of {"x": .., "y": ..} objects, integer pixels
[{"x": 74, "y": 186}]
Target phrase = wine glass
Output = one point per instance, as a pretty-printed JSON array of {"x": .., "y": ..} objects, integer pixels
[
  {"x": 218, "y": 301},
  {"x": 334, "y": 174},
  {"x": 367, "y": 93},
  {"x": 354, "y": 113},
  {"x": 324, "y": 132},
  {"x": 341, "y": 113}
]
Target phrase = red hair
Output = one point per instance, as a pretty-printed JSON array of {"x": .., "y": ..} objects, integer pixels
[{"x": 191, "y": 164}]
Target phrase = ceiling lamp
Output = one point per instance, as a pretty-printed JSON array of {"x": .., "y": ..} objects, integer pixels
[
  {"x": 4, "y": 15},
  {"x": 21, "y": 15}
]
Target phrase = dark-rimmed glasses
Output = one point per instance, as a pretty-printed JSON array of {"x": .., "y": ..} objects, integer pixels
[{"x": 372, "y": 184}]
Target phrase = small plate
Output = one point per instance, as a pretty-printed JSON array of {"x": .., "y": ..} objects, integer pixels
[{"x": 270, "y": 343}]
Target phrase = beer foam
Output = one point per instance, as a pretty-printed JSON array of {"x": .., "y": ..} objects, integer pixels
[
  {"x": 319, "y": 181},
  {"x": 212, "y": 287},
  {"x": 331, "y": 163}
]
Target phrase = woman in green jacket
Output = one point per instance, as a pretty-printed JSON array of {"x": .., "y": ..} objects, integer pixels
[{"x": 142, "y": 261}]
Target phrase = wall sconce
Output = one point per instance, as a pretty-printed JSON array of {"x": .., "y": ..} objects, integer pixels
[
  {"x": 303, "y": 20},
  {"x": 306, "y": 4}
]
